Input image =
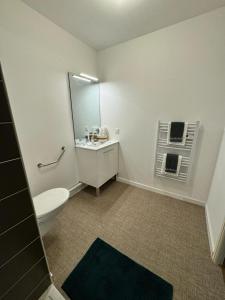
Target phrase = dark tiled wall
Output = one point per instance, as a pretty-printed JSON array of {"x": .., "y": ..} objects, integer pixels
[{"x": 23, "y": 269}]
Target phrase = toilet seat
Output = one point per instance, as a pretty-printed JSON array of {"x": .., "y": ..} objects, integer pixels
[{"x": 49, "y": 201}]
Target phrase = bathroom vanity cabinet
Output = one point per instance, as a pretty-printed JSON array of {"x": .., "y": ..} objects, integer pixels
[{"x": 97, "y": 164}]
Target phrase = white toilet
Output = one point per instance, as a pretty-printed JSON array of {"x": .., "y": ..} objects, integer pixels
[{"x": 47, "y": 205}]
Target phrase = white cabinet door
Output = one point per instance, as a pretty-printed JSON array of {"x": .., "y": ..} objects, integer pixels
[
  {"x": 87, "y": 164},
  {"x": 107, "y": 163}
]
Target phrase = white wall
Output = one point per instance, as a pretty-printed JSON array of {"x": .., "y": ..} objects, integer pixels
[
  {"x": 215, "y": 206},
  {"x": 36, "y": 56},
  {"x": 176, "y": 73}
]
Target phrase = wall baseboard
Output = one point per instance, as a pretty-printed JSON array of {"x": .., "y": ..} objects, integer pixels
[
  {"x": 209, "y": 231},
  {"x": 76, "y": 189},
  {"x": 52, "y": 293},
  {"x": 218, "y": 255},
  {"x": 161, "y": 191},
  {"x": 217, "y": 248}
]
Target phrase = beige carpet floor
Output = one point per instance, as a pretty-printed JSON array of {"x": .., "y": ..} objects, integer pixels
[{"x": 165, "y": 235}]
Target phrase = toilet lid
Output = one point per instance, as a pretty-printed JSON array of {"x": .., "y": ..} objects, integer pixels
[{"x": 50, "y": 200}]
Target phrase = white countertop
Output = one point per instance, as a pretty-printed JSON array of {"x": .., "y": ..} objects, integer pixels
[{"x": 96, "y": 146}]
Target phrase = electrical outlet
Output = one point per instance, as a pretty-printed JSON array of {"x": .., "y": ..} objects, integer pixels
[{"x": 117, "y": 131}]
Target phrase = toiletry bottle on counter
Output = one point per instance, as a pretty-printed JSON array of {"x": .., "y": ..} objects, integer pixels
[{"x": 86, "y": 134}]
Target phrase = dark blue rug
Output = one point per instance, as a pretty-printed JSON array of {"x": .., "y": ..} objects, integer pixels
[{"x": 106, "y": 274}]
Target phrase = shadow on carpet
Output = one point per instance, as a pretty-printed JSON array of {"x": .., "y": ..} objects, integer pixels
[{"x": 106, "y": 274}]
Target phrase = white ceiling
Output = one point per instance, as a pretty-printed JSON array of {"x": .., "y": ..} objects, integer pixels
[{"x": 103, "y": 23}]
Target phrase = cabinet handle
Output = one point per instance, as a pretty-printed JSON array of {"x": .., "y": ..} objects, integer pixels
[{"x": 108, "y": 150}]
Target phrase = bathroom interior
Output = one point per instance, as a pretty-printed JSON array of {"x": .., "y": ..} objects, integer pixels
[{"x": 112, "y": 159}]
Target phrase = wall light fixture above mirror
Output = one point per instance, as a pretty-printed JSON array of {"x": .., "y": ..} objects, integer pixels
[
  {"x": 92, "y": 78},
  {"x": 86, "y": 77},
  {"x": 81, "y": 78}
]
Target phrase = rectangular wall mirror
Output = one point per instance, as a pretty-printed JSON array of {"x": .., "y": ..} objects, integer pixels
[{"x": 85, "y": 104}]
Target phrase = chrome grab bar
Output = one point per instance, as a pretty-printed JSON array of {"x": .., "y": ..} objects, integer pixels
[{"x": 40, "y": 165}]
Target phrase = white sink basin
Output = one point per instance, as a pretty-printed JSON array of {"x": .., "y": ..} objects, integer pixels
[{"x": 96, "y": 145}]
